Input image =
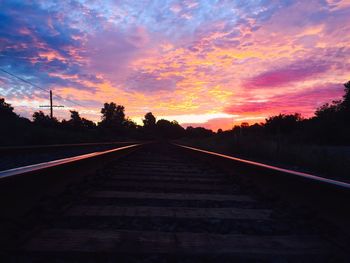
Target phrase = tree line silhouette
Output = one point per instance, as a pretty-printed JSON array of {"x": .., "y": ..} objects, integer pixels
[
  {"x": 114, "y": 125},
  {"x": 330, "y": 125}
]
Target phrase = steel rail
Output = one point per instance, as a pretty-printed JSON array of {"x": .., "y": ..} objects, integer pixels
[
  {"x": 33, "y": 147},
  {"x": 275, "y": 168},
  {"x": 45, "y": 165}
]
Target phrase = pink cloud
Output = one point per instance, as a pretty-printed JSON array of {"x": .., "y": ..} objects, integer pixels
[
  {"x": 299, "y": 71},
  {"x": 304, "y": 102}
]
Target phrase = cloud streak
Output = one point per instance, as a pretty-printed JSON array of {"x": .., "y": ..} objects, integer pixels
[{"x": 248, "y": 59}]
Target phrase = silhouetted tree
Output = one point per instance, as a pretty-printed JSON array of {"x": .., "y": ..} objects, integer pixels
[
  {"x": 344, "y": 105},
  {"x": 169, "y": 129},
  {"x": 338, "y": 109},
  {"x": 236, "y": 129},
  {"x": 130, "y": 124},
  {"x": 12, "y": 125},
  {"x": 328, "y": 111},
  {"x": 40, "y": 118},
  {"x": 283, "y": 123},
  {"x": 113, "y": 116},
  {"x": 149, "y": 122},
  {"x": 331, "y": 123},
  {"x": 198, "y": 132},
  {"x": 75, "y": 118},
  {"x": 6, "y": 111},
  {"x": 256, "y": 128},
  {"x": 87, "y": 124},
  {"x": 244, "y": 125},
  {"x": 78, "y": 123}
]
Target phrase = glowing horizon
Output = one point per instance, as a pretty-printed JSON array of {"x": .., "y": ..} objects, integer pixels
[{"x": 202, "y": 63}]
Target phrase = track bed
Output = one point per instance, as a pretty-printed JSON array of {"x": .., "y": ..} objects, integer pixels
[{"x": 156, "y": 205}]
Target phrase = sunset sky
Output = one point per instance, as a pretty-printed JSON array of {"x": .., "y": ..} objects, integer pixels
[{"x": 204, "y": 63}]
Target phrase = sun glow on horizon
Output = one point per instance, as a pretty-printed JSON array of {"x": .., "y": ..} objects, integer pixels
[{"x": 197, "y": 62}]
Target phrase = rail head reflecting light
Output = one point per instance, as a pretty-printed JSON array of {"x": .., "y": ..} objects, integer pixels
[
  {"x": 53, "y": 146},
  {"x": 305, "y": 175},
  {"x": 45, "y": 165}
]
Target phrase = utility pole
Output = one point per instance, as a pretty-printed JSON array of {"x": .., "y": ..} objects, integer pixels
[{"x": 51, "y": 106}]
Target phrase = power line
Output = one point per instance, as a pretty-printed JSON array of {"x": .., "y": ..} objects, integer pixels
[
  {"x": 36, "y": 86},
  {"x": 26, "y": 81}
]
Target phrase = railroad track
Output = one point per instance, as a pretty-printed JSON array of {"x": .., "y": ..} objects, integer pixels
[
  {"x": 159, "y": 205},
  {"x": 17, "y": 156}
]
